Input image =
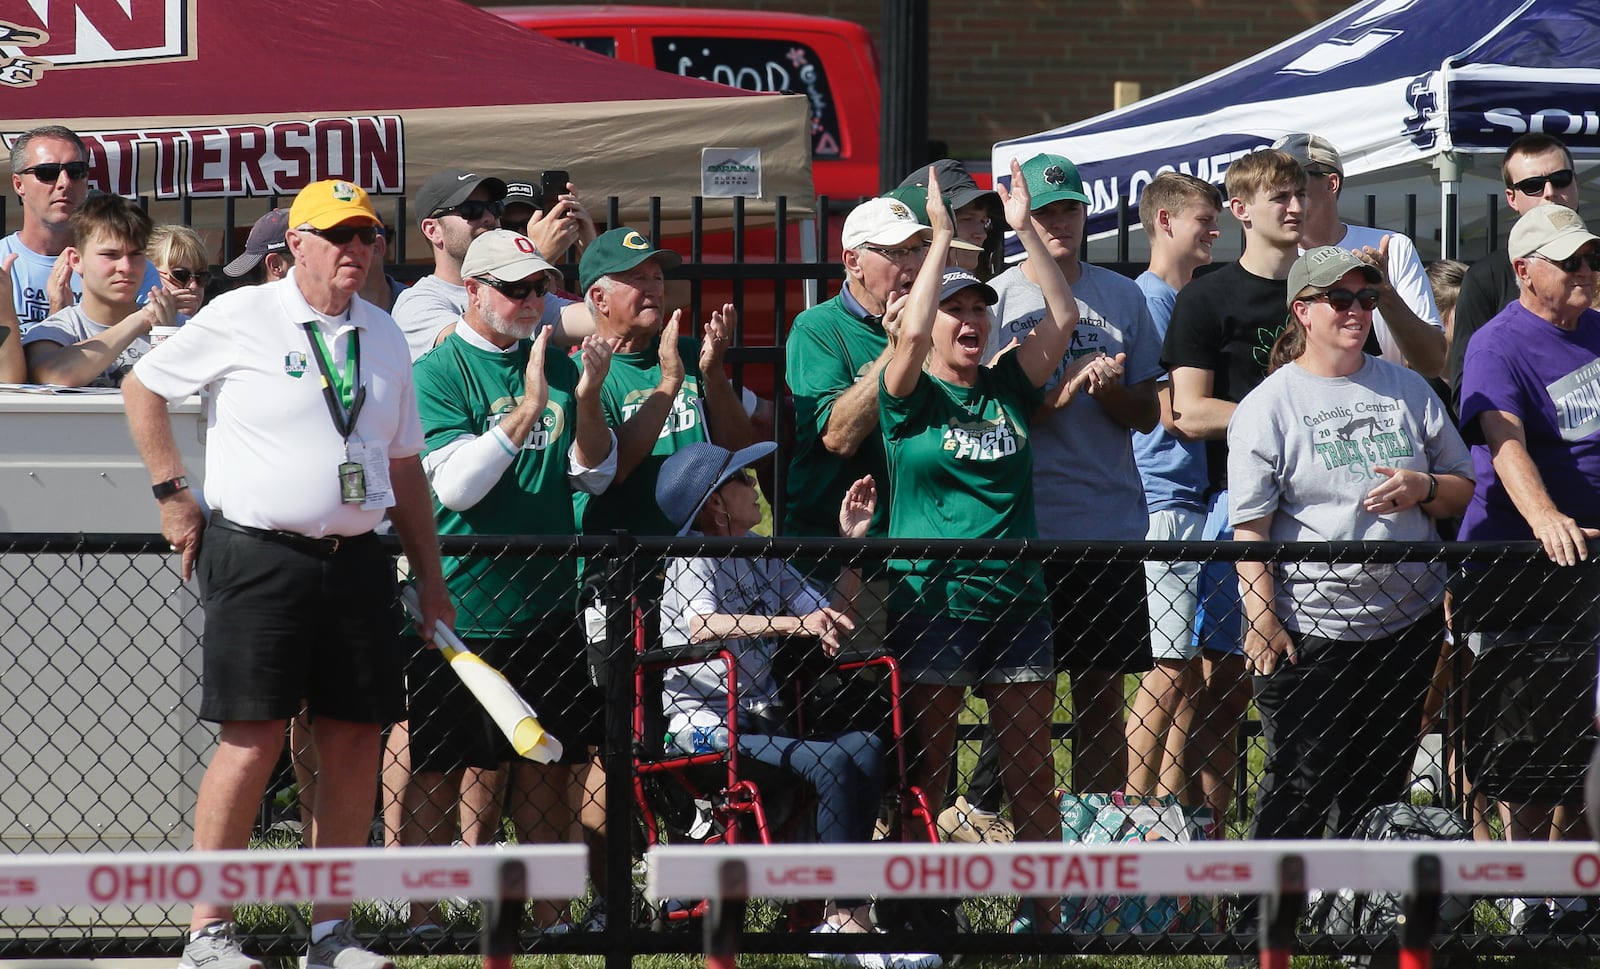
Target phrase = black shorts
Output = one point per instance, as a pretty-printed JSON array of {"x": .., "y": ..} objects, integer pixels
[
  {"x": 286, "y": 629},
  {"x": 450, "y": 730},
  {"x": 1530, "y": 720},
  {"x": 1101, "y": 616}
]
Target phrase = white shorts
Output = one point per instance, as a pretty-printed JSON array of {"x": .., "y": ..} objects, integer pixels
[{"x": 1173, "y": 587}]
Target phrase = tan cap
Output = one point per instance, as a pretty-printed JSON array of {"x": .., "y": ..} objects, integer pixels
[
  {"x": 1550, "y": 230},
  {"x": 1309, "y": 150},
  {"x": 504, "y": 255}
]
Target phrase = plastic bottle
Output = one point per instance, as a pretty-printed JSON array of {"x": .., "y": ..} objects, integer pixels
[{"x": 701, "y": 732}]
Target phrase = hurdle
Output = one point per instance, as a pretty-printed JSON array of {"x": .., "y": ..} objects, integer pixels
[
  {"x": 501, "y": 876},
  {"x": 1279, "y": 872}
]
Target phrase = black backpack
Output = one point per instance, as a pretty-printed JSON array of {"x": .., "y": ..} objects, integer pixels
[{"x": 1358, "y": 913}]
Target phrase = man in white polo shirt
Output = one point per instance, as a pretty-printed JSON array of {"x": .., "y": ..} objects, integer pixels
[{"x": 315, "y": 438}]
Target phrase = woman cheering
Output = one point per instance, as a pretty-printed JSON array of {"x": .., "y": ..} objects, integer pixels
[{"x": 960, "y": 463}]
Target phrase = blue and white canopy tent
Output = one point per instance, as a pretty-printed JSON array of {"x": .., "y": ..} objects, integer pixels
[{"x": 1407, "y": 90}]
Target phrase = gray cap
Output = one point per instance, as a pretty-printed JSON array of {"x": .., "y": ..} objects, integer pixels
[
  {"x": 956, "y": 184},
  {"x": 449, "y": 188},
  {"x": 1323, "y": 266},
  {"x": 505, "y": 255},
  {"x": 1550, "y": 230},
  {"x": 1309, "y": 149},
  {"x": 269, "y": 234}
]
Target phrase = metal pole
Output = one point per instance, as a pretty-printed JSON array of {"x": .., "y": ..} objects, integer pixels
[{"x": 905, "y": 89}]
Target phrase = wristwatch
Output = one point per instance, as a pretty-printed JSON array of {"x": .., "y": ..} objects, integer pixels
[{"x": 167, "y": 489}]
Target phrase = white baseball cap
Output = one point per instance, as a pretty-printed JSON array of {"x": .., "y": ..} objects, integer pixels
[{"x": 882, "y": 221}]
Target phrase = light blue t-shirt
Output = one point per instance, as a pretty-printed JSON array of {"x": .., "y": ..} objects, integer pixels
[
  {"x": 1087, "y": 486},
  {"x": 30, "y": 281},
  {"x": 1173, "y": 471}
]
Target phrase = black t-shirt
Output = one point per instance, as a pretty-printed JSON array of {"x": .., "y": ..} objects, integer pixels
[
  {"x": 1488, "y": 287},
  {"x": 1226, "y": 322}
]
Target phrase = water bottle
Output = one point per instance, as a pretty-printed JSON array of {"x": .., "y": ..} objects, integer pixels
[{"x": 701, "y": 732}]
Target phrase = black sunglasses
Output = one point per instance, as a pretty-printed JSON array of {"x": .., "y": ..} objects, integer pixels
[
  {"x": 340, "y": 235},
  {"x": 184, "y": 276},
  {"x": 50, "y": 171},
  {"x": 1535, "y": 185},
  {"x": 518, "y": 291},
  {"x": 1574, "y": 262},
  {"x": 1342, "y": 299},
  {"x": 473, "y": 209}
]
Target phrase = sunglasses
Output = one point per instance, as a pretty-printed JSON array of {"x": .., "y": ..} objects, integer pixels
[
  {"x": 50, "y": 171},
  {"x": 1535, "y": 185},
  {"x": 184, "y": 277},
  {"x": 1342, "y": 299},
  {"x": 518, "y": 291},
  {"x": 473, "y": 210},
  {"x": 1573, "y": 263},
  {"x": 341, "y": 235}
]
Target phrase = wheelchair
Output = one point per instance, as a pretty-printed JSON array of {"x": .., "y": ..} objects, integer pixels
[{"x": 722, "y": 797}]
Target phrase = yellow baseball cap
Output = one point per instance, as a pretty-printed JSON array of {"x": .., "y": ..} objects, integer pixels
[{"x": 325, "y": 204}]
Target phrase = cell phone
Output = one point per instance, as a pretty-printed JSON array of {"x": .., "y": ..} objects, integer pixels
[{"x": 552, "y": 185}]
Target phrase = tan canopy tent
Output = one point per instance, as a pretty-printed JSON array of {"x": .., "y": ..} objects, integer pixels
[{"x": 228, "y": 98}]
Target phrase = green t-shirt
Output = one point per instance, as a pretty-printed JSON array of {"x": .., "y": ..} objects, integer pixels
[
  {"x": 464, "y": 390},
  {"x": 828, "y": 350},
  {"x": 962, "y": 467},
  {"x": 631, "y": 504}
]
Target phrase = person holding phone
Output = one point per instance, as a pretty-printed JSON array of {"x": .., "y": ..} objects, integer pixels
[{"x": 548, "y": 212}]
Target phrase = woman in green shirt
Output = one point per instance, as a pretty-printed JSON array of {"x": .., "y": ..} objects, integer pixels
[{"x": 956, "y": 434}]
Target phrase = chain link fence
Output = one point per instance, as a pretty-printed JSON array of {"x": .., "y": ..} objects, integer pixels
[{"x": 682, "y": 726}]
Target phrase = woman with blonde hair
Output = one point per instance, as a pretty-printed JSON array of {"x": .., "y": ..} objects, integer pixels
[{"x": 180, "y": 257}]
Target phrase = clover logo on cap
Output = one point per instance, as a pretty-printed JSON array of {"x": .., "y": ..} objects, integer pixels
[{"x": 1055, "y": 175}]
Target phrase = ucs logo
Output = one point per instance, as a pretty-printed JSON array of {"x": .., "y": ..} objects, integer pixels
[{"x": 1424, "y": 101}]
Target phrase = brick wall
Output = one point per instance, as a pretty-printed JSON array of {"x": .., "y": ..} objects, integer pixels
[{"x": 1004, "y": 68}]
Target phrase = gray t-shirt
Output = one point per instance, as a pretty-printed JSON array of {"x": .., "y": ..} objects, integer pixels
[
  {"x": 704, "y": 586},
  {"x": 431, "y": 304},
  {"x": 71, "y": 326},
  {"x": 1087, "y": 485},
  {"x": 1302, "y": 449}
]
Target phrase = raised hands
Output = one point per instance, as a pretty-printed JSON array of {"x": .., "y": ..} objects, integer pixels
[
  {"x": 595, "y": 353},
  {"x": 671, "y": 363},
  {"x": 855, "y": 511},
  {"x": 718, "y": 337},
  {"x": 59, "y": 286}
]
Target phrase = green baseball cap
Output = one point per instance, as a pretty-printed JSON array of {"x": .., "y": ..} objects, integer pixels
[
  {"x": 1052, "y": 178},
  {"x": 618, "y": 250},
  {"x": 916, "y": 199}
]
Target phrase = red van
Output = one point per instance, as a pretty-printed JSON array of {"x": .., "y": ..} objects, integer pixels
[{"x": 831, "y": 62}]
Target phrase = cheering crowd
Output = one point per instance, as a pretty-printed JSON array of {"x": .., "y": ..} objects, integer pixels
[{"x": 1321, "y": 388}]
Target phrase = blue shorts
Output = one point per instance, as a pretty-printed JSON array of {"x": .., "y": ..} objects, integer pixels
[
  {"x": 1219, "y": 623},
  {"x": 938, "y": 650}
]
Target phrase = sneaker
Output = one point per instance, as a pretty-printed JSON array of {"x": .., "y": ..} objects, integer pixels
[
  {"x": 961, "y": 822},
  {"x": 216, "y": 948},
  {"x": 340, "y": 950},
  {"x": 855, "y": 960}
]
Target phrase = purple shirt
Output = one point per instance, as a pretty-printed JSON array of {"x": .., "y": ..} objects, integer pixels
[{"x": 1549, "y": 378}]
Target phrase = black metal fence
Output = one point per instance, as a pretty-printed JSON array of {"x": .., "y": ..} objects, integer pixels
[{"x": 103, "y": 642}]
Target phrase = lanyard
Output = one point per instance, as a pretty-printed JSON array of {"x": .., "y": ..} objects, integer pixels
[{"x": 343, "y": 421}]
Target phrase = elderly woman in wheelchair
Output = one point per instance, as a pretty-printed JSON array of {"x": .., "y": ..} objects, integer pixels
[{"x": 728, "y": 615}]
